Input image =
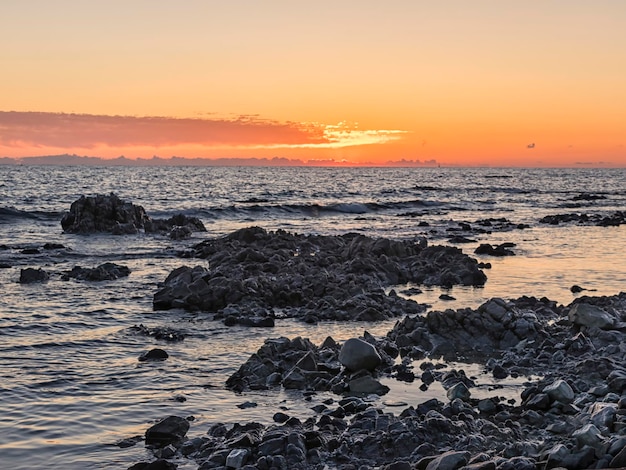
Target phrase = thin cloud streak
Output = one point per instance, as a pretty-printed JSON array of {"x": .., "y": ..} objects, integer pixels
[{"x": 60, "y": 130}]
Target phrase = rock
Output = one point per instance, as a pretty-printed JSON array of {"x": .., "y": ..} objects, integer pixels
[
  {"x": 103, "y": 213},
  {"x": 458, "y": 390},
  {"x": 575, "y": 289},
  {"x": 560, "y": 391},
  {"x": 588, "y": 435},
  {"x": 30, "y": 276},
  {"x": 499, "y": 250},
  {"x": 619, "y": 460},
  {"x": 159, "y": 464},
  {"x": 178, "y": 226},
  {"x": 170, "y": 430},
  {"x": 590, "y": 316},
  {"x": 451, "y": 460},
  {"x": 104, "y": 272},
  {"x": 155, "y": 354},
  {"x": 237, "y": 458},
  {"x": 356, "y": 354},
  {"x": 367, "y": 385}
]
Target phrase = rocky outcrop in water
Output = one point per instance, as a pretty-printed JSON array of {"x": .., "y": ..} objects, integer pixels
[
  {"x": 109, "y": 213},
  {"x": 610, "y": 220},
  {"x": 31, "y": 275},
  {"x": 103, "y": 213},
  {"x": 254, "y": 273},
  {"x": 104, "y": 272}
]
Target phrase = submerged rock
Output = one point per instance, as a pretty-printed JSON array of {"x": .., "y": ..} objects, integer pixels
[{"x": 30, "y": 275}]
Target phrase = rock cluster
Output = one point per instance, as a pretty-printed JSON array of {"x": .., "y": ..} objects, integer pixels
[
  {"x": 109, "y": 213},
  {"x": 611, "y": 220},
  {"x": 572, "y": 415},
  {"x": 255, "y": 273},
  {"x": 104, "y": 272}
]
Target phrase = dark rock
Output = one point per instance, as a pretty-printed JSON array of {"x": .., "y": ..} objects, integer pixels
[
  {"x": 30, "y": 275},
  {"x": 103, "y": 213},
  {"x": 313, "y": 278},
  {"x": 170, "y": 430},
  {"x": 163, "y": 333},
  {"x": 357, "y": 354},
  {"x": 155, "y": 354},
  {"x": 499, "y": 250},
  {"x": 178, "y": 226},
  {"x": 104, "y": 272},
  {"x": 576, "y": 289},
  {"x": 160, "y": 464}
]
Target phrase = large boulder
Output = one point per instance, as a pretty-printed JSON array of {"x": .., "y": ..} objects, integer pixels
[
  {"x": 103, "y": 213},
  {"x": 357, "y": 354},
  {"x": 584, "y": 314}
]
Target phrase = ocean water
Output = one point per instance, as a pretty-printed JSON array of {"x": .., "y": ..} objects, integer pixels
[{"x": 71, "y": 385}]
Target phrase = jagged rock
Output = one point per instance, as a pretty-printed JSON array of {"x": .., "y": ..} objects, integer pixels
[
  {"x": 104, "y": 272},
  {"x": 313, "y": 278},
  {"x": 103, "y": 213},
  {"x": 560, "y": 391}
]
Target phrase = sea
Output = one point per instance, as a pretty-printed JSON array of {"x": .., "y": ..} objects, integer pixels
[{"x": 71, "y": 385}]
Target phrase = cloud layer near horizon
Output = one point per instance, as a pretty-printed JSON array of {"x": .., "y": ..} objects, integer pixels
[{"x": 60, "y": 130}]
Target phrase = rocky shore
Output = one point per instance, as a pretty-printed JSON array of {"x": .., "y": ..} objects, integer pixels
[
  {"x": 569, "y": 413},
  {"x": 573, "y": 416}
]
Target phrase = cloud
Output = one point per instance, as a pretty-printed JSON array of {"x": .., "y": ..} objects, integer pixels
[{"x": 86, "y": 131}]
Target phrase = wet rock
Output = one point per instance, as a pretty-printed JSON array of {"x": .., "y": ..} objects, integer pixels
[
  {"x": 497, "y": 250},
  {"x": 178, "y": 227},
  {"x": 155, "y": 354},
  {"x": 170, "y": 430},
  {"x": 103, "y": 213},
  {"x": 30, "y": 276},
  {"x": 104, "y": 272},
  {"x": 357, "y": 354}
]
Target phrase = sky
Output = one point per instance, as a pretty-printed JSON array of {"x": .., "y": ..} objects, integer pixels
[{"x": 489, "y": 83}]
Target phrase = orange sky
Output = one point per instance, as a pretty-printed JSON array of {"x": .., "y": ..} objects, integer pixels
[{"x": 462, "y": 83}]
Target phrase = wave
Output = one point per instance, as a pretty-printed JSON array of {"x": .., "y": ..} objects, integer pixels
[
  {"x": 8, "y": 214},
  {"x": 313, "y": 209}
]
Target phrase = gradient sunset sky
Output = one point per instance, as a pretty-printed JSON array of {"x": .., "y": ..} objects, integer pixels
[{"x": 459, "y": 82}]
